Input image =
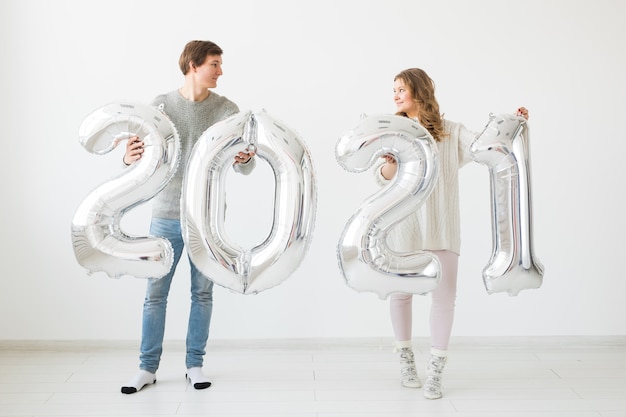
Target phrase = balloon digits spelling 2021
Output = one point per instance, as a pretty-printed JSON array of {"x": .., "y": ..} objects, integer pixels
[
  {"x": 504, "y": 150},
  {"x": 365, "y": 260},
  {"x": 99, "y": 243},
  {"x": 268, "y": 264}
]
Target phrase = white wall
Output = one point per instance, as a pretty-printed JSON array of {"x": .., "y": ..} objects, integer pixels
[{"x": 318, "y": 66}]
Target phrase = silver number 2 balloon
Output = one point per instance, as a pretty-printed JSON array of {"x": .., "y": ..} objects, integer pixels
[
  {"x": 98, "y": 241},
  {"x": 504, "y": 150},
  {"x": 365, "y": 260},
  {"x": 203, "y": 203}
]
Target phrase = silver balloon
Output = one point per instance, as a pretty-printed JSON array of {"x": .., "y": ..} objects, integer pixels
[
  {"x": 99, "y": 243},
  {"x": 504, "y": 150},
  {"x": 365, "y": 260},
  {"x": 203, "y": 203}
]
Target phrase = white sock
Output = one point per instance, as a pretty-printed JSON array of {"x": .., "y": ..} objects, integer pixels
[
  {"x": 439, "y": 352},
  {"x": 140, "y": 380},
  {"x": 399, "y": 344},
  {"x": 197, "y": 378}
]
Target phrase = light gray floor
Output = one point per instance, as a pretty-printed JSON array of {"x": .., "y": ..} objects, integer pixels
[{"x": 493, "y": 377}]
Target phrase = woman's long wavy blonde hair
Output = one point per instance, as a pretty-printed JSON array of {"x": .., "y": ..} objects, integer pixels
[{"x": 422, "y": 89}]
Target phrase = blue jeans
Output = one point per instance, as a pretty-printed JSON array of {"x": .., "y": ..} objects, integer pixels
[{"x": 155, "y": 304}]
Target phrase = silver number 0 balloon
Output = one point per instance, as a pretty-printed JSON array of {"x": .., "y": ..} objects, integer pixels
[
  {"x": 365, "y": 260},
  {"x": 98, "y": 241},
  {"x": 203, "y": 208},
  {"x": 504, "y": 150}
]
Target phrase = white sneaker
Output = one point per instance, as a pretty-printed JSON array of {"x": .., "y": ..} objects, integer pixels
[
  {"x": 434, "y": 371},
  {"x": 408, "y": 371},
  {"x": 432, "y": 387}
]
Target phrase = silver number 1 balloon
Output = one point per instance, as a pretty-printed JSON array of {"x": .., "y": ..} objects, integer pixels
[
  {"x": 365, "y": 260},
  {"x": 99, "y": 243},
  {"x": 504, "y": 150}
]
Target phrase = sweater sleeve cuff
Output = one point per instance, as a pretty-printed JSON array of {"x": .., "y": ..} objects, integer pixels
[{"x": 379, "y": 176}]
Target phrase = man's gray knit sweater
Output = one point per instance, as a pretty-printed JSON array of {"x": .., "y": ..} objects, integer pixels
[{"x": 191, "y": 119}]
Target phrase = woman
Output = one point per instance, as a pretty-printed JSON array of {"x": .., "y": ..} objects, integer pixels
[{"x": 434, "y": 227}]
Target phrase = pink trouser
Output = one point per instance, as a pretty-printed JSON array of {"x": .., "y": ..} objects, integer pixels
[{"x": 441, "y": 310}]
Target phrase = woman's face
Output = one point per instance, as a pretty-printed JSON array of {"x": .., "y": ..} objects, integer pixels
[{"x": 403, "y": 98}]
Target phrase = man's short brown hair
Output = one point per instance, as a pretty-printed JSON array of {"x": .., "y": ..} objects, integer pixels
[{"x": 195, "y": 52}]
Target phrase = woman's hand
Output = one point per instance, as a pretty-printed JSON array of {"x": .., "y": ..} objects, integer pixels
[
  {"x": 522, "y": 111},
  {"x": 389, "y": 159},
  {"x": 389, "y": 168},
  {"x": 134, "y": 149}
]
